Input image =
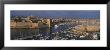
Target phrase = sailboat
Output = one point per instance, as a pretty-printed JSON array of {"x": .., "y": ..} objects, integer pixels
[{"x": 55, "y": 26}]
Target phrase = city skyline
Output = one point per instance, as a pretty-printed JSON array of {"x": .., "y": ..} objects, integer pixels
[
  {"x": 58, "y": 13},
  {"x": 55, "y": 25}
]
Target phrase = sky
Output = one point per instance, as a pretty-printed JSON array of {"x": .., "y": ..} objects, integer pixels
[{"x": 58, "y": 13}]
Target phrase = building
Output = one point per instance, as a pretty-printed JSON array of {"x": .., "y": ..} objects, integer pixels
[
  {"x": 34, "y": 25},
  {"x": 47, "y": 21},
  {"x": 87, "y": 28},
  {"x": 12, "y": 24},
  {"x": 23, "y": 24},
  {"x": 93, "y": 28}
]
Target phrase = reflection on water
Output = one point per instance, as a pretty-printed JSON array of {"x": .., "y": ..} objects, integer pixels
[
  {"x": 20, "y": 33},
  {"x": 54, "y": 33}
]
